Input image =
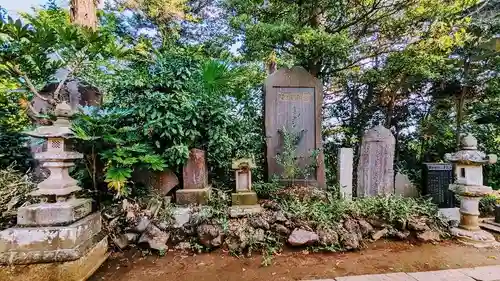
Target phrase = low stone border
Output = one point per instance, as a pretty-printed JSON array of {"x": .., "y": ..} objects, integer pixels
[{"x": 484, "y": 273}]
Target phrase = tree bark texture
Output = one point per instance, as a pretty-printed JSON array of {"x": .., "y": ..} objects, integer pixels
[{"x": 83, "y": 12}]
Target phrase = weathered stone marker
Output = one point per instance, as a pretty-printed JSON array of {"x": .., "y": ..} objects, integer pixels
[
  {"x": 404, "y": 187},
  {"x": 293, "y": 100},
  {"x": 195, "y": 180},
  {"x": 63, "y": 231},
  {"x": 345, "y": 163},
  {"x": 376, "y": 163},
  {"x": 469, "y": 186},
  {"x": 244, "y": 200}
]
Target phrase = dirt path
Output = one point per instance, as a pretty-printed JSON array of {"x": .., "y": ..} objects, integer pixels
[{"x": 380, "y": 257}]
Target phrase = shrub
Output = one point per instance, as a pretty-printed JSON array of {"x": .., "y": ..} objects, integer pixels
[{"x": 14, "y": 189}]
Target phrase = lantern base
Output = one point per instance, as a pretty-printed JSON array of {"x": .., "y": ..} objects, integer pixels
[
  {"x": 77, "y": 270},
  {"x": 476, "y": 238},
  {"x": 54, "y": 214}
]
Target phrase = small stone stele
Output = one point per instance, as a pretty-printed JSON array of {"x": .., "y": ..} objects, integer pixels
[
  {"x": 195, "y": 180},
  {"x": 244, "y": 200}
]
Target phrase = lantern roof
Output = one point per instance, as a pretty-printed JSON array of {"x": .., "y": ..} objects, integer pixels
[
  {"x": 469, "y": 155},
  {"x": 61, "y": 128}
]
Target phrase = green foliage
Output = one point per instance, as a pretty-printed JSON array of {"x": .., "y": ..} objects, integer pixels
[
  {"x": 266, "y": 190},
  {"x": 111, "y": 140},
  {"x": 487, "y": 205},
  {"x": 330, "y": 211},
  {"x": 289, "y": 158}
]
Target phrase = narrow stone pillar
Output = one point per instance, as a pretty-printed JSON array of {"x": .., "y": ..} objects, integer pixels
[
  {"x": 344, "y": 172},
  {"x": 244, "y": 200}
]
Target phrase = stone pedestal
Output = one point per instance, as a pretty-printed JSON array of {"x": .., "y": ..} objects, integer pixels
[
  {"x": 60, "y": 239},
  {"x": 195, "y": 180},
  {"x": 469, "y": 186},
  {"x": 244, "y": 200}
]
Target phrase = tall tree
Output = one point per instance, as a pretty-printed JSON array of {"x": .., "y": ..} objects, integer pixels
[{"x": 84, "y": 12}]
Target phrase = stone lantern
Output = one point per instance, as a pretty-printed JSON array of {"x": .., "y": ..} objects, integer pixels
[
  {"x": 244, "y": 200},
  {"x": 469, "y": 186},
  {"x": 62, "y": 229}
]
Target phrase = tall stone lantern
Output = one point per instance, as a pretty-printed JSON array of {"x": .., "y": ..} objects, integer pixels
[
  {"x": 469, "y": 186},
  {"x": 60, "y": 238}
]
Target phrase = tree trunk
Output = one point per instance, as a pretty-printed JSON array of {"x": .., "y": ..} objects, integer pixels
[
  {"x": 83, "y": 12},
  {"x": 461, "y": 100}
]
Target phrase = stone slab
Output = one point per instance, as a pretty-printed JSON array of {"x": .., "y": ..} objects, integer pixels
[
  {"x": 443, "y": 275},
  {"x": 450, "y": 214},
  {"x": 244, "y": 198},
  {"x": 400, "y": 276},
  {"x": 53, "y": 214},
  {"x": 244, "y": 210},
  {"x": 345, "y": 171},
  {"x": 192, "y": 196},
  {"x": 49, "y": 244},
  {"x": 181, "y": 215},
  {"x": 484, "y": 273},
  {"x": 78, "y": 270}
]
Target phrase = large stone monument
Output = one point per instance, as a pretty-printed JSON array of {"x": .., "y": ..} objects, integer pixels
[
  {"x": 293, "y": 100},
  {"x": 59, "y": 239},
  {"x": 244, "y": 200},
  {"x": 344, "y": 172},
  {"x": 376, "y": 163},
  {"x": 195, "y": 180},
  {"x": 469, "y": 186}
]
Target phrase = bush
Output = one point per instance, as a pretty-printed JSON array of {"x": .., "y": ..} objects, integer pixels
[
  {"x": 487, "y": 205},
  {"x": 14, "y": 189},
  {"x": 330, "y": 210}
]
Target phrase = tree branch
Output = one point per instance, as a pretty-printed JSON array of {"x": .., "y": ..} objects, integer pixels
[{"x": 31, "y": 87}]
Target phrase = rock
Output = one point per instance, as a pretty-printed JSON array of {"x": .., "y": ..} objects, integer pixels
[
  {"x": 429, "y": 236},
  {"x": 377, "y": 223},
  {"x": 154, "y": 238},
  {"x": 142, "y": 225},
  {"x": 281, "y": 229},
  {"x": 300, "y": 237},
  {"x": 400, "y": 224},
  {"x": 418, "y": 225},
  {"x": 271, "y": 205},
  {"x": 132, "y": 237},
  {"x": 352, "y": 227},
  {"x": 259, "y": 235},
  {"x": 348, "y": 240},
  {"x": 162, "y": 182},
  {"x": 328, "y": 237},
  {"x": 130, "y": 216},
  {"x": 365, "y": 228},
  {"x": 120, "y": 241},
  {"x": 163, "y": 226},
  {"x": 259, "y": 222},
  {"x": 183, "y": 246},
  {"x": 402, "y": 235},
  {"x": 379, "y": 234},
  {"x": 280, "y": 217},
  {"x": 181, "y": 216},
  {"x": 210, "y": 235}
]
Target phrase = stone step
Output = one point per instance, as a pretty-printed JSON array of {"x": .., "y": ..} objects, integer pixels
[{"x": 490, "y": 226}]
